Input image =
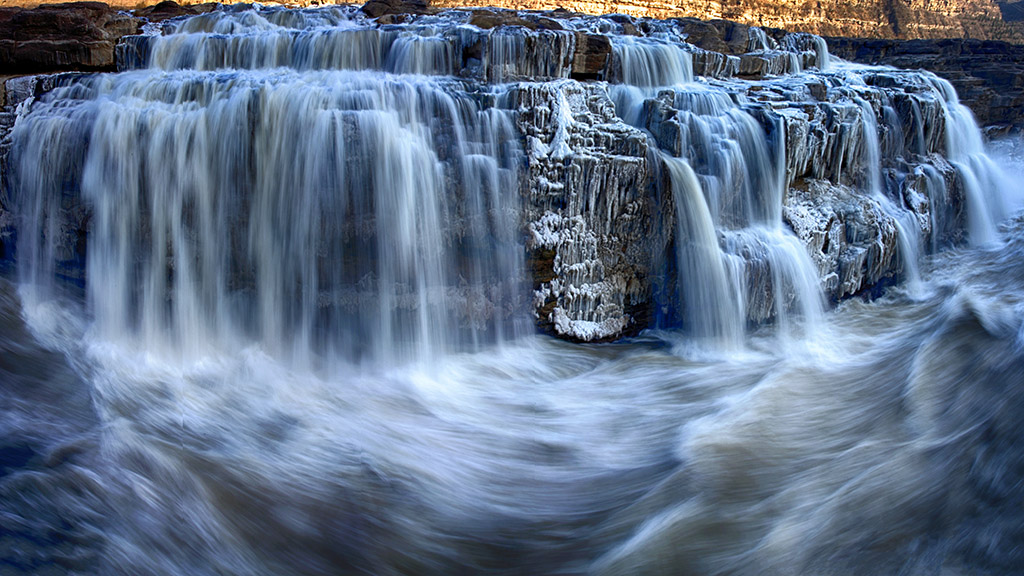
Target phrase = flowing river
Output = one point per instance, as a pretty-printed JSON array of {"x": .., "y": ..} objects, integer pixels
[{"x": 299, "y": 343}]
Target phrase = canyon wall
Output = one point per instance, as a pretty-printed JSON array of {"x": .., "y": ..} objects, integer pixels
[
  {"x": 903, "y": 19},
  {"x": 856, "y": 18}
]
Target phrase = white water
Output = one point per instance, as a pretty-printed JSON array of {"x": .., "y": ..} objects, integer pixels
[
  {"x": 727, "y": 179},
  {"x": 314, "y": 213},
  {"x": 906, "y": 227},
  {"x": 302, "y": 350}
]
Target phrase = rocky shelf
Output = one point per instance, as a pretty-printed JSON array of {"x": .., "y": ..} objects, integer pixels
[{"x": 860, "y": 156}]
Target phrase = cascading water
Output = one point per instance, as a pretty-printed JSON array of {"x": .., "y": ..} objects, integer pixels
[
  {"x": 965, "y": 150},
  {"x": 321, "y": 211},
  {"x": 271, "y": 288},
  {"x": 727, "y": 179},
  {"x": 903, "y": 219}
]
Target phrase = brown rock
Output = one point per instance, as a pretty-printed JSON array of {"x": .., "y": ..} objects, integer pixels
[
  {"x": 170, "y": 9},
  {"x": 591, "y": 58},
  {"x": 867, "y": 18},
  {"x": 487, "y": 19},
  {"x": 378, "y": 8},
  {"x": 716, "y": 35},
  {"x": 74, "y": 36}
]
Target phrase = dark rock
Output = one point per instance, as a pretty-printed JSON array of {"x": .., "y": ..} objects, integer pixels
[
  {"x": 591, "y": 58},
  {"x": 169, "y": 9},
  {"x": 378, "y": 8},
  {"x": 55, "y": 37},
  {"x": 6, "y": 230},
  {"x": 1012, "y": 11},
  {"x": 988, "y": 75}
]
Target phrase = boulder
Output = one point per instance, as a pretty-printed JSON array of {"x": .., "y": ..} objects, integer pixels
[
  {"x": 378, "y": 8},
  {"x": 487, "y": 19},
  {"x": 169, "y": 9}
]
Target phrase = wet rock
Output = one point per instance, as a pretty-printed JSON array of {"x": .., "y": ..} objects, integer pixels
[
  {"x": 591, "y": 56},
  {"x": 768, "y": 63},
  {"x": 590, "y": 211},
  {"x": 988, "y": 75},
  {"x": 849, "y": 236},
  {"x": 852, "y": 237},
  {"x": 516, "y": 53},
  {"x": 6, "y": 229},
  {"x": 71, "y": 215},
  {"x": 715, "y": 64},
  {"x": 74, "y": 36}
]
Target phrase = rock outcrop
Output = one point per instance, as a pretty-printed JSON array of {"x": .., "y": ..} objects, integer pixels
[
  {"x": 76, "y": 36},
  {"x": 863, "y": 18},
  {"x": 858, "y": 159},
  {"x": 590, "y": 211},
  {"x": 988, "y": 76},
  {"x": 905, "y": 19}
]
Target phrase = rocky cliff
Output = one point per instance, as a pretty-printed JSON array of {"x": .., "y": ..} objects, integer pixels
[
  {"x": 904, "y": 19},
  {"x": 658, "y": 158},
  {"x": 988, "y": 75},
  {"x": 859, "y": 18}
]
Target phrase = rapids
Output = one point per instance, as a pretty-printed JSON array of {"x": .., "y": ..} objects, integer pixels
[{"x": 271, "y": 311}]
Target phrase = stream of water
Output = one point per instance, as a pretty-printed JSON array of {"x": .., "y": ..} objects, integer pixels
[{"x": 300, "y": 346}]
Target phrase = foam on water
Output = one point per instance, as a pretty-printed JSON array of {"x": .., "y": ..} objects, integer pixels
[{"x": 299, "y": 345}]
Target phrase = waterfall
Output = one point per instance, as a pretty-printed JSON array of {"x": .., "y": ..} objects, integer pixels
[
  {"x": 354, "y": 213},
  {"x": 330, "y": 187},
  {"x": 714, "y": 304},
  {"x": 906, "y": 228},
  {"x": 979, "y": 175},
  {"x": 648, "y": 63},
  {"x": 483, "y": 292},
  {"x": 735, "y": 261}
]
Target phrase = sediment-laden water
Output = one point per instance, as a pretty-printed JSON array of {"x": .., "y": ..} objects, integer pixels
[{"x": 292, "y": 333}]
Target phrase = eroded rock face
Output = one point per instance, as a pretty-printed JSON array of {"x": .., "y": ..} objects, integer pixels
[
  {"x": 855, "y": 163},
  {"x": 75, "y": 36},
  {"x": 851, "y": 238},
  {"x": 590, "y": 211},
  {"x": 860, "y": 18},
  {"x": 988, "y": 75},
  {"x": 170, "y": 9}
]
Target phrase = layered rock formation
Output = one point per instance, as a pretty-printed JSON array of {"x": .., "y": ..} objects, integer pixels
[
  {"x": 907, "y": 19},
  {"x": 78, "y": 36},
  {"x": 653, "y": 153},
  {"x": 987, "y": 75},
  {"x": 863, "y": 18}
]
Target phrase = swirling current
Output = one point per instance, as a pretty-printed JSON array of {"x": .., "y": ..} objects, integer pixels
[{"x": 232, "y": 387}]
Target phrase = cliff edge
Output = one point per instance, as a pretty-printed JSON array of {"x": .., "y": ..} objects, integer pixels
[{"x": 894, "y": 19}]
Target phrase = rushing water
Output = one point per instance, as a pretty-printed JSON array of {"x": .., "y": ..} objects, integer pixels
[
  {"x": 891, "y": 444},
  {"x": 300, "y": 346}
]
